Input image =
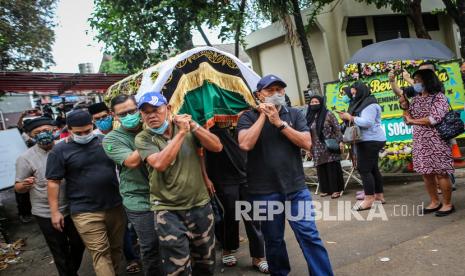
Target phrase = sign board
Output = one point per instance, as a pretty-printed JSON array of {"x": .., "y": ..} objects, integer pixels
[
  {"x": 11, "y": 146},
  {"x": 392, "y": 122}
]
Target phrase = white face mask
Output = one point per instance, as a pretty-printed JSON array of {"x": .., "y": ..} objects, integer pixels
[
  {"x": 83, "y": 139},
  {"x": 276, "y": 99}
]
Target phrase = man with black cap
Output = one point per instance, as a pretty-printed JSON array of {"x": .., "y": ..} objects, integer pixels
[
  {"x": 273, "y": 135},
  {"x": 101, "y": 117},
  {"x": 91, "y": 190},
  {"x": 184, "y": 218},
  {"x": 66, "y": 246}
]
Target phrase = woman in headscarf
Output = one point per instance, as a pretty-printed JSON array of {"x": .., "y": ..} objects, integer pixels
[
  {"x": 365, "y": 112},
  {"x": 432, "y": 155},
  {"x": 324, "y": 126}
]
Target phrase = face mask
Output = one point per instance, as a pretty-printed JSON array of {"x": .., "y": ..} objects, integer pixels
[
  {"x": 418, "y": 87},
  {"x": 131, "y": 120},
  {"x": 44, "y": 138},
  {"x": 56, "y": 135},
  {"x": 105, "y": 124},
  {"x": 276, "y": 99},
  {"x": 161, "y": 129},
  {"x": 83, "y": 139},
  {"x": 315, "y": 107},
  {"x": 346, "y": 99}
]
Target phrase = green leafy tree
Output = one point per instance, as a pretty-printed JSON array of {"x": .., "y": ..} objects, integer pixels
[
  {"x": 296, "y": 31},
  {"x": 456, "y": 9},
  {"x": 113, "y": 66},
  {"x": 26, "y": 34},
  {"x": 140, "y": 33},
  {"x": 411, "y": 8}
]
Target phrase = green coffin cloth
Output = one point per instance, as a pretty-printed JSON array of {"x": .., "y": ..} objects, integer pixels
[{"x": 209, "y": 100}]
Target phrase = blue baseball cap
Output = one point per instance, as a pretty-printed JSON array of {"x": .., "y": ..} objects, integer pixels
[
  {"x": 153, "y": 98},
  {"x": 268, "y": 80}
]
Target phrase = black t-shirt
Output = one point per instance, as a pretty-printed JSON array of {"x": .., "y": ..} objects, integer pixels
[
  {"x": 274, "y": 165},
  {"x": 409, "y": 92},
  {"x": 91, "y": 182},
  {"x": 227, "y": 167}
]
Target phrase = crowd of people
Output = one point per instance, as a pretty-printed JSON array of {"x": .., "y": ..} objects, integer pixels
[{"x": 155, "y": 175}]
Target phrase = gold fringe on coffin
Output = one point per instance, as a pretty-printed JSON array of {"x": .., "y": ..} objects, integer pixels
[{"x": 206, "y": 72}]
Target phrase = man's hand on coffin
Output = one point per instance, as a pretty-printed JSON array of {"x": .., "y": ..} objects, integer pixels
[{"x": 183, "y": 122}]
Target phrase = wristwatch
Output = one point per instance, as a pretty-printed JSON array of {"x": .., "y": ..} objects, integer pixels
[
  {"x": 197, "y": 126},
  {"x": 283, "y": 126}
]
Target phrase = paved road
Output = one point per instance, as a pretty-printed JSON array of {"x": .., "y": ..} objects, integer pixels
[{"x": 414, "y": 245}]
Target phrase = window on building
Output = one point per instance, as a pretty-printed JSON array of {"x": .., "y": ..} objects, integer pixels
[
  {"x": 431, "y": 22},
  {"x": 356, "y": 26},
  {"x": 366, "y": 42},
  {"x": 390, "y": 26}
]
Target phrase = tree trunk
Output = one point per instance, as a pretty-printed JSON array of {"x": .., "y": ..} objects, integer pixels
[
  {"x": 457, "y": 12},
  {"x": 183, "y": 24},
  {"x": 204, "y": 36},
  {"x": 314, "y": 81},
  {"x": 237, "y": 36},
  {"x": 462, "y": 39},
  {"x": 414, "y": 13}
]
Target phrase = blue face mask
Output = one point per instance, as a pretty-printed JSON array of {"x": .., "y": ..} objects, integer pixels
[
  {"x": 44, "y": 138},
  {"x": 104, "y": 124},
  {"x": 83, "y": 139},
  {"x": 418, "y": 87},
  {"x": 346, "y": 99},
  {"x": 161, "y": 129}
]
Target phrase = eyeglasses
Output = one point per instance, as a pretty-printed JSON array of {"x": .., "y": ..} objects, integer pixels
[
  {"x": 34, "y": 134},
  {"x": 129, "y": 112},
  {"x": 102, "y": 117}
]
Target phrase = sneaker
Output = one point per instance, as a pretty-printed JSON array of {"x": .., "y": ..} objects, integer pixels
[{"x": 25, "y": 219}]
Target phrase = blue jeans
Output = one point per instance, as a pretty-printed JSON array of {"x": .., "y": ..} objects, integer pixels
[
  {"x": 144, "y": 224},
  {"x": 304, "y": 230},
  {"x": 128, "y": 248}
]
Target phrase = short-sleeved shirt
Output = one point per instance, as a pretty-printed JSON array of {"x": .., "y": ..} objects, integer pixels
[
  {"x": 119, "y": 144},
  {"x": 274, "y": 165},
  {"x": 181, "y": 186},
  {"x": 227, "y": 167},
  {"x": 91, "y": 182},
  {"x": 33, "y": 163}
]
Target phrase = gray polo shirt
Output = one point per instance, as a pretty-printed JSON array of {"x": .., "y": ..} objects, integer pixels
[{"x": 33, "y": 163}]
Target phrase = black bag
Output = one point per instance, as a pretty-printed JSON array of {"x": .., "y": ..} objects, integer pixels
[
  {"x": 451, "y": 125},
  {"x": 217, "y": 208},
  {"x": 332, "y": 146}
]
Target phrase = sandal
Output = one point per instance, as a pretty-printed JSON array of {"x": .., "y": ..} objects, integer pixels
[
  {"x": 229, "y": 260},
  {"x": 133, "y": 268},
  {"x": 323, "y": 194},
  {"x": 262, "y": 267},
  {"x": 335, "y": 195}
]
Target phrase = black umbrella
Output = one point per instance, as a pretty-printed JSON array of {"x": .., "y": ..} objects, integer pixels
[{"x": 402, "y": 49}]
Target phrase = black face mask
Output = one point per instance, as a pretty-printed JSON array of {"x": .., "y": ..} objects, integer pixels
[{"x": 315, "y": 107}]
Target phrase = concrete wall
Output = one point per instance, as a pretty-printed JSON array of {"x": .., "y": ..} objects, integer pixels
[{"x": 330, "y": 46}]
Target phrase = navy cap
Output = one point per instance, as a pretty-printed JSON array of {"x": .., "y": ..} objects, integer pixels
[
  {"x": 268, "y": 80},
  {"x": 78, "y": 117},
  {"x": 97, "y": 108},
  {"x": 30, "y": 125},
  {"x": 153, "y": 98}
]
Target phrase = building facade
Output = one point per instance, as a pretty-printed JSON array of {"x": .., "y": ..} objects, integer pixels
[{"x": 341, "y": 29}]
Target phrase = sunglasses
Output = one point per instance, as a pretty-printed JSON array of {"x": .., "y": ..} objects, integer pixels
[{"x": 125, "y": 113}]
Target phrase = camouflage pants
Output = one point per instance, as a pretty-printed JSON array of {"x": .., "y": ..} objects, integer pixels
[{"x": 187, "y": 241}]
